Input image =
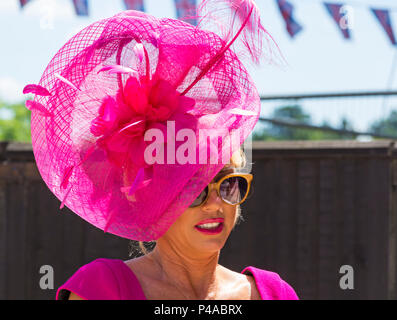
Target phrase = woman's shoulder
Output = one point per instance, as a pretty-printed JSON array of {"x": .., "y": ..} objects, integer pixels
[
  {"x": 101, "y": 279},
  {"x": 270, "y": 285},
  {"x": 88, "y": 279}
]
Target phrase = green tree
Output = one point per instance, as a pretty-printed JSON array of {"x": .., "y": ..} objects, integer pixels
[
  {"x": 14, "y": 122},
  {"x": 328, "y": 135},
  {"x": 386, "y": 126},
  {"x": 295, "y": 113}
]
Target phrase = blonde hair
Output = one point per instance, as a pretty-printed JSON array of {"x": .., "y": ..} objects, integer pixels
[{"x": 238, "y": 159}]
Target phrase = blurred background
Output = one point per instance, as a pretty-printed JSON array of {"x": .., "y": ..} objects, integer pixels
[{"x": 323, "y": 152}]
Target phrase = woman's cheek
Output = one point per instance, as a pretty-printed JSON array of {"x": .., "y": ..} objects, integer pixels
[{"x": 231, "y": 216}]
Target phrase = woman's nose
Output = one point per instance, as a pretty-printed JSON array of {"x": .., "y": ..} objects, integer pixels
[{"x": 213, "y": 202}]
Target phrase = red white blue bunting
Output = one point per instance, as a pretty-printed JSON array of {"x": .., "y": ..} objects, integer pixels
[
  {"x": 383, "y": 16},
  {"x": 184, "y": 9},
  {"x": 286, "y": 10},
  {"x": 134, "y": 5},
  {"x": 81, "y": 7},
  {"x": 336, "y": 12}
]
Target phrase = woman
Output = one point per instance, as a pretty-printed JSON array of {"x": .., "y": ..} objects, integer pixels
[
  {"x": 184, "y": 263},
  {"x": 133, "y": 118}
]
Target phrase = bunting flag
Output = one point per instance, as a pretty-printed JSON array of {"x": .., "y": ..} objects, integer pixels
[
  {"x": 23, "y": 2},
  {"x": 134, "y": 5},
  {"x": 384, "y": 18},
  {"x": 81, "y": 7},
  {"x": 286, "y": 9},
  {"x": 186, "y": 8},
  {"x": 335, "y": 11}
]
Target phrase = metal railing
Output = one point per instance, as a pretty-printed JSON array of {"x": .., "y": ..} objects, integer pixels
[{"x": 376, "y": 105}]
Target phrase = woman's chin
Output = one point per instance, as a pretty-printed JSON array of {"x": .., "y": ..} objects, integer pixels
[{"x": 209, "y": 243}]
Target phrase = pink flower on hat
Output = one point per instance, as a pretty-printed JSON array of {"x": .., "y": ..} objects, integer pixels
[{"x": 122, "y": 122}]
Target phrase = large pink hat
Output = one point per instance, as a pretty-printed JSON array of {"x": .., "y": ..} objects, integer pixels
[{"x": 122, "y": 76}]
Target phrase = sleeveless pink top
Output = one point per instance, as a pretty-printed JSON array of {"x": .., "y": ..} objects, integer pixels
[{"x": 112, "y": 279}]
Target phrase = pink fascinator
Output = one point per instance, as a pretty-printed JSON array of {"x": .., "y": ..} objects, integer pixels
[{"x": 113, "y": 89}]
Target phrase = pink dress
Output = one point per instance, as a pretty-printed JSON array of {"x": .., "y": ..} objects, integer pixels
[{"x": 112, "y": 279}]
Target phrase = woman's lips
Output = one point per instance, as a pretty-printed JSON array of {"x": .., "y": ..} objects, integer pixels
[
  {"x": 216, "y": 230},
  {"x": 213, "y": 220}
]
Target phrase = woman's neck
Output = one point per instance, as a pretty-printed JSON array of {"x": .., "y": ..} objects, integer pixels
[{"x": 194, "y": 276}]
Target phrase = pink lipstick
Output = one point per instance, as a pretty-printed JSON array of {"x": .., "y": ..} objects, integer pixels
[{"x": 210, "y": 226}]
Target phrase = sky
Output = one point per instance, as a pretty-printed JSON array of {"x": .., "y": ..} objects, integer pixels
[{"x": 319, "y": 59}]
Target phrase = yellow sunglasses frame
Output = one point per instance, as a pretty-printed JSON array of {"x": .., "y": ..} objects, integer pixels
[{"x": 216, "y": 185}]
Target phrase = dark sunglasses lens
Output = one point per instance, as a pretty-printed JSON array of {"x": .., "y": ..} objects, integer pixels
[
  {"x": 233, "y": 189},
  {"x": 199, "y": 200}
]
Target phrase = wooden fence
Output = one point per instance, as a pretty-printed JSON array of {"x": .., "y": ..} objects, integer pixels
[{"x": 315, "y": 207}]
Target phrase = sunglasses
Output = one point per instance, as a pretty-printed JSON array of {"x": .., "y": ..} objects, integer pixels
[{"x": 232, "y": 189}]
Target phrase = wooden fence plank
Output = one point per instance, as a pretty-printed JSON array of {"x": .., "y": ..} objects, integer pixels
[
  {"x": 392, "y": 231},
  {"x": 3, "y": 239},
  {"x": 377, "y": 237},
  {"x": 361, "y": 228},
  {"x": 347, "y": 189},
  {"x": 16, "y": 257},
  {"x": 307, "y": 225},
  {"x": 287, "y": 219},
  {"x": 327, "y": 230}
]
